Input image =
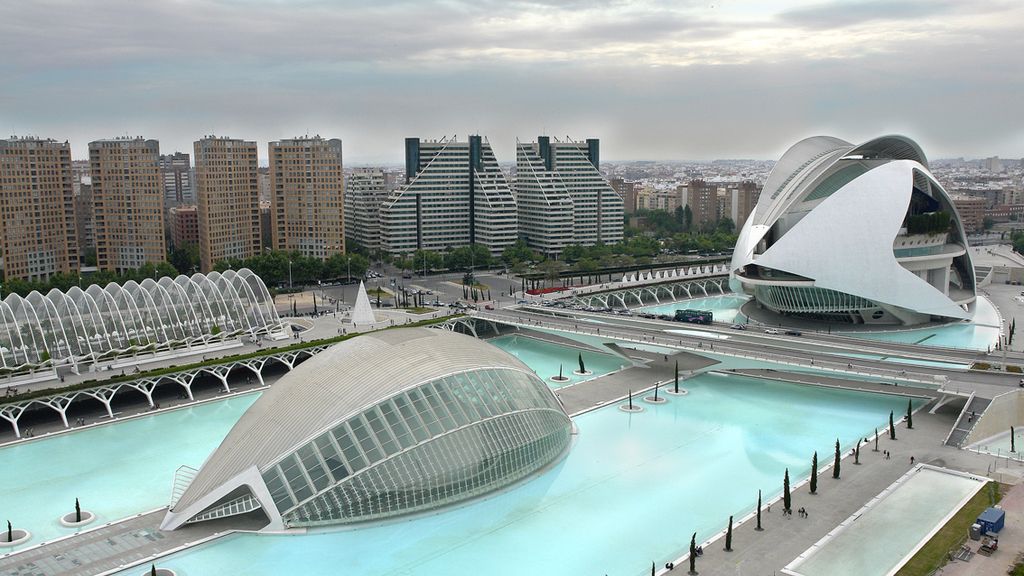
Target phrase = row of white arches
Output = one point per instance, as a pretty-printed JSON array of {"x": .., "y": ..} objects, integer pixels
[{"x": 103, "y": 322}]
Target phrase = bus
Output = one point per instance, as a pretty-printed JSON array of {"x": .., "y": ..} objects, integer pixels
[{"x": 694, "y": 316}]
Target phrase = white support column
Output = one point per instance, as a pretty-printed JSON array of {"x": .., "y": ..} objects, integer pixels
[{"x": 12, "y": 414}]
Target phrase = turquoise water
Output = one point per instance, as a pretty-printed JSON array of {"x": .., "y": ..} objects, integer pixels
[
  {"x": 631, "y": 490},
  {"x": 725, "y": 308},
  {"x": 116, "y": 470},
  {"x": 545, "y": 357},
  {"x": 981, "y": 333}
]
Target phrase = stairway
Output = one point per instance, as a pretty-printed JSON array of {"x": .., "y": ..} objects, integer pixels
[{"x": 969, "y": 416}]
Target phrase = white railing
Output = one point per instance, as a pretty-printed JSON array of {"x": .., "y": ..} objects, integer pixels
[{"x": 183, "y": 476}]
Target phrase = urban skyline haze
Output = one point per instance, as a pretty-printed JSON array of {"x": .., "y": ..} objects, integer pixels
[{"x": 653, "y": 80}]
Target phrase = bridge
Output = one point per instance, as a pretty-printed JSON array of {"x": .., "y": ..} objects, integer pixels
[{"x": 60, "y": 402}]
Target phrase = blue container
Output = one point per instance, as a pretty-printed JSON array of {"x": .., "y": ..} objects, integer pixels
[{"x": 992, "y": 520}]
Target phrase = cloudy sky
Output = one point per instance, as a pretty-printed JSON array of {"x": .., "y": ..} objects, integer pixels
[{"x": 653, "y": 79}]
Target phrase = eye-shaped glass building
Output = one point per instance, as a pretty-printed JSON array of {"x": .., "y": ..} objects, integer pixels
[
  {"x": 859, "y": 234},
  {"x": 388, "y": 423}
]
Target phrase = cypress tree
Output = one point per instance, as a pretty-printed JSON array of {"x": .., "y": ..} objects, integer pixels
[
  {"x": 876, "y": 439},
  {"x": 910, "y": 415},
  {"x": 856, "y": 452},
  {"x": 892, "y": 427},
  {"x": 835, "y": 466},
  {"x": 814, "y": 473},
  {"x": 758, "y": 528},
  {"x": 693, "y": 554},
  {"x": 728, "y": 536},
  {"x": 78, "y": 511},
  {"x": 677, "y": 377},
  {"x": 787, "y": 500},
  {"x": 1013, "y": 445},
  {"x": 152, "y": 570}
]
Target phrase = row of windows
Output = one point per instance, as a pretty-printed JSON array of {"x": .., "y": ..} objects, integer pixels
[
  {"x": 457, "y": 466},
  {"x": 400, "y": 423}
]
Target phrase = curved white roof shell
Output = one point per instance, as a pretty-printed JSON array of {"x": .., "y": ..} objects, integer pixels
[
  {"x": 362, "y": 387},
  {"x": 829, "y": 215},
  {"x": 107, "y": 321}
]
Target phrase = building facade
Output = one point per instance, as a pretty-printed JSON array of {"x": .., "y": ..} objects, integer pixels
[
  {"x": 702, "y": 198},
  {"x": 972, "y": 212},
  {"x": 856, "y": 234},
  {"x": 85, "y": 229},
  {"x": 455, "y": 194},
  {"x": 128, "y": 203},
  {"x": 37, "y": 209},
  {"x": 627, "y": 191},
  {"x": 176, "y": 171},
  {"x": 227, "y": 196},
  {"x": 184, "y": 225},
  {"x": 307, "y": 188},
  {"x": 562, "y": 197},
  {"x": 365, "y": 191},
  {"x": 744, "y": 197}
]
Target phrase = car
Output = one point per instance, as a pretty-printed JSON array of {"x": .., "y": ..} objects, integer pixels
[
  {"x": 522, "y": 301},
  {"x": 407, "y": 275},
  {"x": 488, "y": 307},
  {"x": 793, "y": 332},
  {"x": 738, "y": 327},
  {"x": 770, "y": 331}
]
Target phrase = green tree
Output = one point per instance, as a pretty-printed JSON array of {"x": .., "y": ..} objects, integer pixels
[
  {"x": 835, "y": 465},
  {"x": 910, "y": 415},
  {"x": 892, "y": 427},
  {"x": 552, "y": 270},
  {"x": 814, "y": 473},
  {"x": 787, "y": 498},
  {"x": 184, "y": 258}
]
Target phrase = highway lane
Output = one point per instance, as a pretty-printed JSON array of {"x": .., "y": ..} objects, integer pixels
[{"x": 780, "y": 349}]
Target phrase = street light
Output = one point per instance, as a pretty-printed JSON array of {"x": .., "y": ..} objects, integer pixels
[
  {"x": 348, "y": 260},
  {"x": 289, "y": 274}
]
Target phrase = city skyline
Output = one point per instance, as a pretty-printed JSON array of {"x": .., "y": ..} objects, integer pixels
[{"x": 654, "y": 81}]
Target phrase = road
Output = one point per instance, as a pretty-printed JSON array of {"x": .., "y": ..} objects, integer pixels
[{"x": 813, "y": 350}]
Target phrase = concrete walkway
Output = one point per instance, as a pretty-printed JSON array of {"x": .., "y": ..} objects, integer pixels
[{"x": 1011, "y": 543}]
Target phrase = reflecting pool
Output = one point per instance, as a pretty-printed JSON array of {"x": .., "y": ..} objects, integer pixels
[
  {"x": 115, "y": 470},
  {"x": 631, "y": 490},
  {"x": 545, "y": 358}
]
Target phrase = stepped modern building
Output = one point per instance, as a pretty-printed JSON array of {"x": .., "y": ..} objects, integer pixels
[
  {"x": 455, "y": 195},
  {"x": 562, "y": 197},
  {"x": 439, "y": 417},
  {"x": 104, "y": 322},
  {"x": 856, "y": 234}
]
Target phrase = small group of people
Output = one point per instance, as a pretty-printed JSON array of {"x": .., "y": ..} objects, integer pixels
[
  {"x": 700, "y": 551},
  {"x": 79, "y": 421}
]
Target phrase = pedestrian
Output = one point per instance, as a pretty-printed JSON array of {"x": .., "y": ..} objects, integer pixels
[{"x": 911, "y": 460}]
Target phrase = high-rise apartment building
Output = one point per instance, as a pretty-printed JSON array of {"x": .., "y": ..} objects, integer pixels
[
  {"x": 176, "y": 171},
  {"x": 562, "y": 197},
  {"x": 227, "y": 198},
  {"x": 455, "y": 195},
  {"x": 37, "y": 212},
  {"x": 744, "y": 198},
  {"x": 184, "y": 225},
  {"x": 307, "y": 188},
  {"x": 365, "y": 191},
  {"x": 128, "y": 207},
  {"x": 702, "y": 198},
  {"x": 84, "y": 229},
  {"x": 627, "y": 191}
]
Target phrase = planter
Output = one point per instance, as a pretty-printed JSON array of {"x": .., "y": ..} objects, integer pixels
[
  {"x": 68, "y": 520},
  {"x": 584, "y": 373},
  {"x": 682, "y": 392},
  {"x": 559, "y": 378},
  {"x": 20, "y": 537},
  {"x": 160, "y": 572},
  {"x": 627, "y": 408},
  {"x": 653, "y": 400}
]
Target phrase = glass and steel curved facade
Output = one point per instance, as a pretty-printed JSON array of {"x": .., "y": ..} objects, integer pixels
[
  {"x": 97, "y": 323},
  {"x": 440, "y": 442}
]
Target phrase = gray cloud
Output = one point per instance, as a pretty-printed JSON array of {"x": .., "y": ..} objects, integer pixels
[{"x": 653, "y": 80}]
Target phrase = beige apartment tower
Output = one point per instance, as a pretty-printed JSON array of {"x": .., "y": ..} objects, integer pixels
[
  {"x": 307, "y": 194},
  {"x": 37, "y": 210},
  {"x": 227, "y": 197},
  {"x": 128, "y": 203}
]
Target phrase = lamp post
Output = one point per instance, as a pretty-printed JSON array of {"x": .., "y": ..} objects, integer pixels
[
  {"x": 348, "y": 261},
  {"x": 289, "y": 274}
]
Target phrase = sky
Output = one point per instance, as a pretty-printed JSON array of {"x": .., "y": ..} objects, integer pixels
[{"x": 654, "y": 80}]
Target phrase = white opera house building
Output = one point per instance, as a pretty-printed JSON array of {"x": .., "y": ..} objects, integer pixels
[{"x": 857, "y": 234}]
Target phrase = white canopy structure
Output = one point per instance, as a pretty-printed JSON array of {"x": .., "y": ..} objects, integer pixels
[{"x": 104, "y": 322}]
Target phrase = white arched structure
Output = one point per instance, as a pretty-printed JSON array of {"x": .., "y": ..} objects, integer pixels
[
  {"x": 104, "y": 322},
  {"x": 861, "y": 234}
]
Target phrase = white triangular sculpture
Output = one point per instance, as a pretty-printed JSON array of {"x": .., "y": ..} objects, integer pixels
[{"x": 362, "y": 312}]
